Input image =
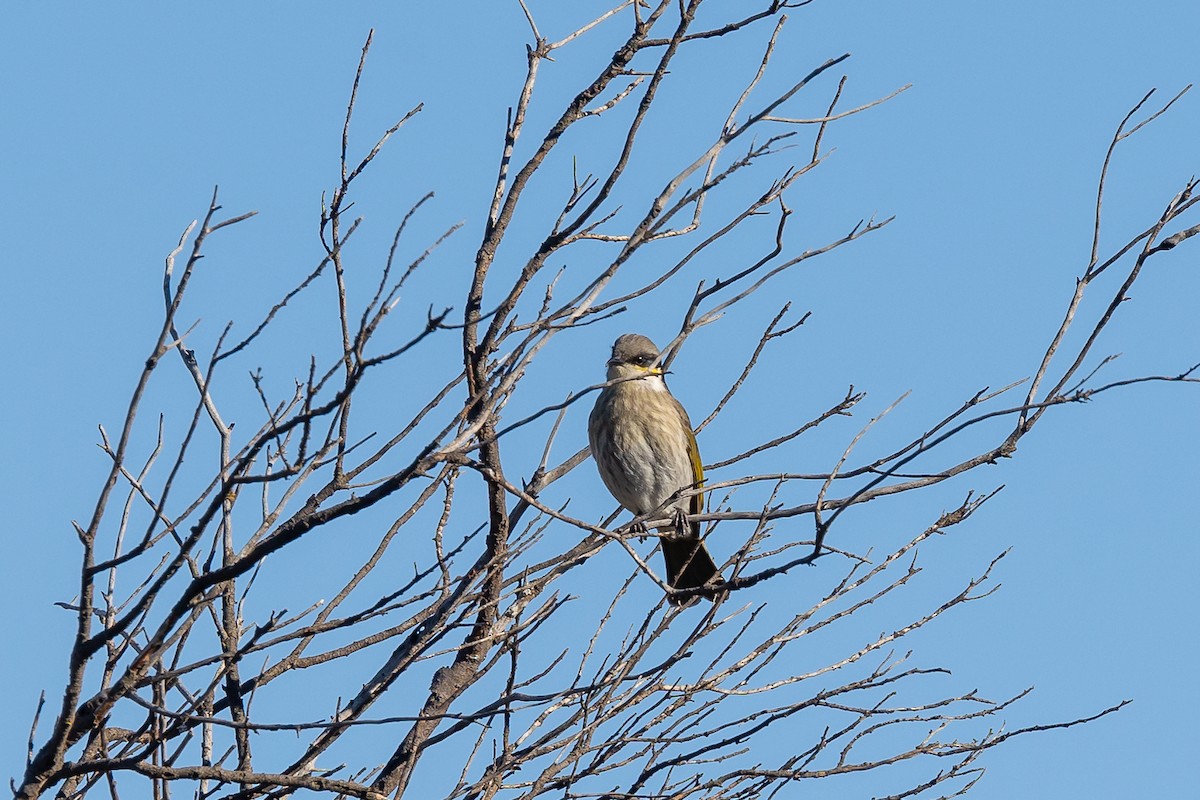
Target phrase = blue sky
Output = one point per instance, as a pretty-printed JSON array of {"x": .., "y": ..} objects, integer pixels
[{"x": 117, "y": 121}]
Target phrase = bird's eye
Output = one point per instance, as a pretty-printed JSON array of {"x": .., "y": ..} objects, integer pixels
[{"x": 643, "y": 360}]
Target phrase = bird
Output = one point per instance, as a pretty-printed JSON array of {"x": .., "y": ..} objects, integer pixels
[{"x": 644, "y": 448}]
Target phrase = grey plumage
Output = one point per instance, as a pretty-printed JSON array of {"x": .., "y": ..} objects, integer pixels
[{"x": 645, "y": 450}]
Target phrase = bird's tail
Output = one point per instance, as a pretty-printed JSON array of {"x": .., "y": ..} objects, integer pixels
[{"x": 689, "y": 566}]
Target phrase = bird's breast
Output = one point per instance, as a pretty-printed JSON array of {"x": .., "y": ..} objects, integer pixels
[{"x": 644, "y": 444}]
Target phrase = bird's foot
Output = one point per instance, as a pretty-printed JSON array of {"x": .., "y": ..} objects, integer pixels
[{"x": 682, "y": 528}]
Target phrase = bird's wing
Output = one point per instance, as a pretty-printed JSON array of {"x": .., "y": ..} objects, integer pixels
[
  {"x": 697, "y": 471},
  {"x": 697, "y": 501}
]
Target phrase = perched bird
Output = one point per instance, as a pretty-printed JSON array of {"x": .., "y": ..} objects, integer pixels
[{"x": 644, "y": 447}]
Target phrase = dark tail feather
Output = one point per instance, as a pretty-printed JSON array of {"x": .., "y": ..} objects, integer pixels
[{"x": 689, "y": 566}]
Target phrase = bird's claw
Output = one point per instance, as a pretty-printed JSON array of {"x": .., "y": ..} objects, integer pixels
[{"x": 681, "y": 523}]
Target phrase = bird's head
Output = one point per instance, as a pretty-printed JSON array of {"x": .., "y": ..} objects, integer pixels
[{"x": 633, "y": 356}]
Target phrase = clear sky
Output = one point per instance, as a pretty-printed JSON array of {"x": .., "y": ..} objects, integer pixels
[{"x": 116, "y": 120}]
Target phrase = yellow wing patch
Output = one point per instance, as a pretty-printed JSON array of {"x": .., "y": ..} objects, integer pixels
[{"x": 697, "y": 469}]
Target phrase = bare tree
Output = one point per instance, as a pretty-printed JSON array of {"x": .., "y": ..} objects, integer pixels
[{"x": 461, "y": 632}]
